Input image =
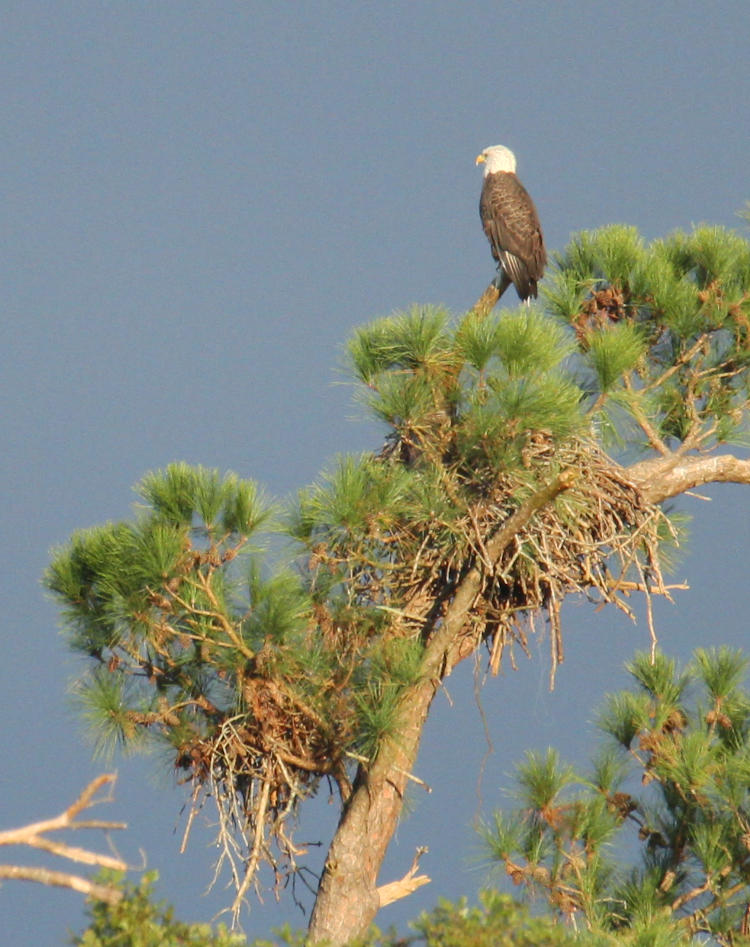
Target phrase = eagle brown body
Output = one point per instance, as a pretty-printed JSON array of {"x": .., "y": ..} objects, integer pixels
[{"x": 511, "y": 224}]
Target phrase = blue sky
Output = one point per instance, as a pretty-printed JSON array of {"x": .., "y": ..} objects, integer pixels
[{"x": 200, "y": 202}]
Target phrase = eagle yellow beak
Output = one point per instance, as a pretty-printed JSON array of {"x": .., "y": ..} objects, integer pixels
[{"x": 481, "y": 159}]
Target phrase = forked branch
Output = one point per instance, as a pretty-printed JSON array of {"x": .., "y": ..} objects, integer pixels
[
  {"x": 395, "y": 890},
  {"x": 35, "y": 835}
]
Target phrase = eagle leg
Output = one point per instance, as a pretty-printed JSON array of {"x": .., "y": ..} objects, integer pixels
[{"x": 501, "y": 282}]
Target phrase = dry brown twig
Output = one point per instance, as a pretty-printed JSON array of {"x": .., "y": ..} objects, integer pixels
[
  {"x": 254, "y": 794},
  {"x": 35, "y": 835}
]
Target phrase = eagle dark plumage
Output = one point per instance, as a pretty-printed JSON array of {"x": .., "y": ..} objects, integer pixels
[{"x": 511, "y": 223}]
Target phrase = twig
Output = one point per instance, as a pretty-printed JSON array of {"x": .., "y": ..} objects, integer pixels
[
  {"x": 255, "y": 852},
  {"x": 648, "y": 429},
  {"x": 682, "y": 360},
  {"x": 410, "y": 776}
]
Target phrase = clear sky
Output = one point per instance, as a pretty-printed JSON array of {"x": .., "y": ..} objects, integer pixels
[{"x": 200, "y": 201}]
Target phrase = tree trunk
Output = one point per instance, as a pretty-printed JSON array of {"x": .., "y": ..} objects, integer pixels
[{"x": 348, "y": 898}]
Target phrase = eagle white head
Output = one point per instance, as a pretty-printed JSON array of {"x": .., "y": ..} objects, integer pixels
[{"x": 497, "y": 158}]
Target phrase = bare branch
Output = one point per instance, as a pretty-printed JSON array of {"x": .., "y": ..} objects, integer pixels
[
  {"x": 675, "y": 366},
  {"x": 405, "y": 886},
  {"x": 75, "y": 853},
  {"x": 661, "y": 478},
  {"x": 487, "y": 300},
  {"x": 34, "y": 836},
  {"x": 62, "y": 879},
  {"x": 648, "y": 429}
]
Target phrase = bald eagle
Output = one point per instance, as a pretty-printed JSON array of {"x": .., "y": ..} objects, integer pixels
[{"x": 511, "y": 223}]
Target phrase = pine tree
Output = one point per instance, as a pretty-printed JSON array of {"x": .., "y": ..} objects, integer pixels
[
  {"x": 526, "y": 458},
  {"x": 672, "y": 783}
]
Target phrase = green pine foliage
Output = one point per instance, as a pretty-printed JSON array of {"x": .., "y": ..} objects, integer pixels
[
  {"x": 140, "y": 921},
  {"x": 482, "y": 386},
  {"x": 496, "y": 921},
  {"x": 665, "y": 329},
  {"x": 671, "y": 785}
]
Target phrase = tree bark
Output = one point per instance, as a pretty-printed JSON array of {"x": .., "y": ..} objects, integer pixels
[{"x": 348, "y": 899}]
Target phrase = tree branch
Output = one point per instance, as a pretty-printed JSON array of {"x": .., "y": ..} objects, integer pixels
[
  {"x": 395, "y": 890},
  {"x": 661, "y": 478},
  {"x": 648, "y": 429},
  {"x": 34, "y": 836},
  {"x": 62, "y": 879},
  {"x": 486, "y": 302}
]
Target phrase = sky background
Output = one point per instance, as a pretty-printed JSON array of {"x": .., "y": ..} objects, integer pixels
[{"x": 200, "y": 201}]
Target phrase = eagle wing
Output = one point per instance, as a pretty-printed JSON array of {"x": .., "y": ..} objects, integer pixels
[{"x": 512, "y": 226}]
